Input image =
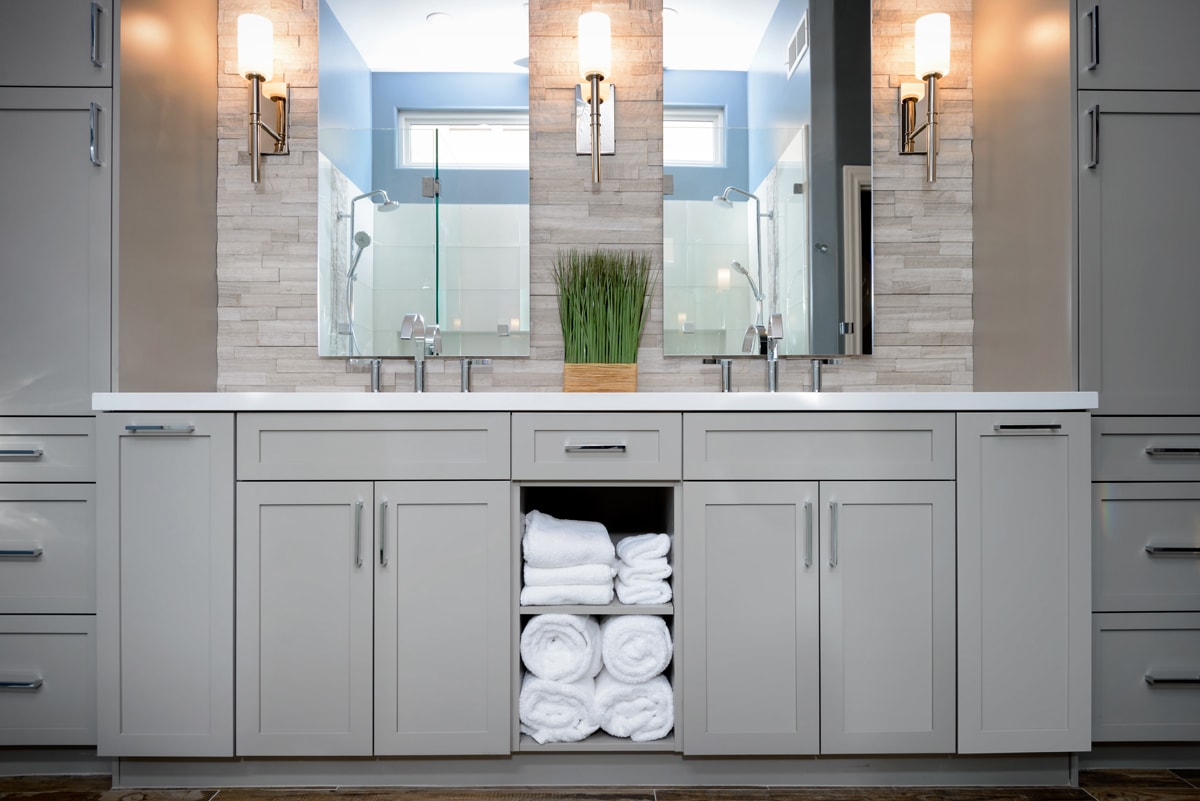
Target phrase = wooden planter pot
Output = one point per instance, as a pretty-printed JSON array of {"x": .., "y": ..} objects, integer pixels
[{"x": 599, "y": 377}]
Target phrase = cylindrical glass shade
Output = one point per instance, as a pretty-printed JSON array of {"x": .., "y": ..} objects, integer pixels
[
  {"x": 932, "y": 45},
  {"x": 256, "y": 50},
  {"x": 595, "y": 45}
]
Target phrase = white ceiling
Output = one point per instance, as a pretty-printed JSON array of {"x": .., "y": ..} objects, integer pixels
[{"x": 490, "y": 35}]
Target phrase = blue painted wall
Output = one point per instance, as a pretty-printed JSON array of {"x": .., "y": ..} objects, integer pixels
[
  {"x": 711, "y": 89},
  {"x": 778, "y": 105},
  {"x": 344, "y": 102},
  {"x": 444, "y": 91}
]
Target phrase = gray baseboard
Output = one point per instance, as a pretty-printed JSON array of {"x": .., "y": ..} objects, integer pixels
[
  {"x": 54, "y": 762},
  {"x": 1141, "y": 755}
]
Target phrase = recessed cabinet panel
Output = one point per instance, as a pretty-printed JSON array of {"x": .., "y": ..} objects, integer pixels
[
  {"x": 1146, "y": 449},
  {"x": 48, "y": 548},
  {"x": 597, "y": 447},
  {"x": 49, "y": 665},
  {"x": 57, "y": 43},
  {"x": 1137, "y": 44},
  {"x": 47, "y": 449}
]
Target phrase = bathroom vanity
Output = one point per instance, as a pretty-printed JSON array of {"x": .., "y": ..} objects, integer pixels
[{"x": 285, "y": 576}]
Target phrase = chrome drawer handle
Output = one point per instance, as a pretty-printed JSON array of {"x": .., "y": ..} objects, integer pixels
[
  {"x": 36, "y": 684},
  {"x": 808, "y": 533},
  {"x": 383, "y": 557},
  {"x": 21, "y": 453},
  {"x": 1027, "y": 427},
  {"x": 151, "y": 429},
  {"x": 358, "y": 510},
  {"x": 1173, "y": 451},
  {"x": 1180, "y": 676},
  {"x": 32, "y": 552},
  {"x": 595, "y": 448},
  {"x": 1173, "y": 550},
  {"x": 833, "y": 533},
  {"x": 97, "y": 10}
]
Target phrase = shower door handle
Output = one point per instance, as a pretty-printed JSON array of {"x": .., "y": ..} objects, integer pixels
[{"x": 93, "y": 139}]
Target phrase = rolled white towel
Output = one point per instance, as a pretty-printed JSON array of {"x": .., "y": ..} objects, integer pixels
[
  {"x": 585, "y": 594},
  {"x": 557, "y": 711},
  {"x": 643, "y": 546},
  {"x": 636, "y": 648},
  {"x": 575, "y": 574},
  {"x": 654, "y": 569},
  {"x": 550, "y": 542},
  {"x": 642, "y": 712},
  {"x": 561, "y": 647},
  {"x": 640, "y": 593}
]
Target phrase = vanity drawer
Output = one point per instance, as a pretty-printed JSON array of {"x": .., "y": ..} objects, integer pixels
[
  {"x": 1129, "y": 650},
  {"x": 601, "y": 447},
  {"x": 54, "y": 656},
  {"x": 812, "y": 446},
  {"x": 47, "y": 449},
  {"x": 377, "y": 446},
  {"x": 47, "y": 548},
  {"x": 1146, "y": 449},
  {"x": 1146, "y": 547}
]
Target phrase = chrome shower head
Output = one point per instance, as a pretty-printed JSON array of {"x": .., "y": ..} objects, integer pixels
[
  {"x": 723, "y": 201},
  {"x": 389, "y": 205},
  {"x": 362, "y": 239}
]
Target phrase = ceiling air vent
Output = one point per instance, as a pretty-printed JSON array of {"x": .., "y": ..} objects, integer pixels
[{"x": 797, "y": 44}]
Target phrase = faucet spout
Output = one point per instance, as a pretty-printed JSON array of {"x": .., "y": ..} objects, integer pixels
[{"x": 427, "y": 341}]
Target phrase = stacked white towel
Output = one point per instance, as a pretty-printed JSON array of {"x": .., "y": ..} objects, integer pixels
[
  {"x": 635, "y": 648},
  {"x": 561, "y": 647},
  {"x": 557, "y": 711},
  {"x": 643, "y": 569},
  {"x": 566, "y": 561},
  {"x": 642, "y": 712}
]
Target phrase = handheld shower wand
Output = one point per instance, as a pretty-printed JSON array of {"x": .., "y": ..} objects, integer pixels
[{"x": 361, "y": 240}]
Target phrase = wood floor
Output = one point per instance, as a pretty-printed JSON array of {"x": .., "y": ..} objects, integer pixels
[{"x": 1095, "y": 785}]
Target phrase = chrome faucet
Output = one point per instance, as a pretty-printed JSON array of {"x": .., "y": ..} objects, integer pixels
[
  {"x": 774, "y": 334},
  {"x": 427, "y": 341},
  {"x": 464, "y": 380},
  {"x": 816, "y": 371},
  {"x": 726, "y": 372}
]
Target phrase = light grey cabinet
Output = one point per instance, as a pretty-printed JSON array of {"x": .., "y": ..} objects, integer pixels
[
  {"x": 47, "y": 680},
  {"x": 57, "y": 43},
  {"x": 1024, "y": 587},
  {"x": 373, "y": 618},
  {"x": 1137, "y": 181},
  {"x": 165, "y": 584},
  {"x": 1137, "y": 44}
]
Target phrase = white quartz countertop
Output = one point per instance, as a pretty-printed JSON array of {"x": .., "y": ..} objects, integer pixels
[{"x": 590, "y": 402}]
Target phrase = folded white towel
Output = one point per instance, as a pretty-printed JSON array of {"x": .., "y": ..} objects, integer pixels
[
  {"x": 636, "y": 648},
  {"x": 587, "y": 594},
  {"x": 557, "y": 711},
  {"x": 654, "y": 569},
  {"x": 550, "y": 542},
  {"x": 643, "y": 546},
  {"x": 575, "y": 574},
  {"x": 643, "y": 592},
  {"x": 642, "y": 712},
  {"x": 561, "y": 647}
]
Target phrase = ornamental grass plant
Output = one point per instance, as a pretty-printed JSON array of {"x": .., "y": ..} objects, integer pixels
[{"x": 603, "y": 304}]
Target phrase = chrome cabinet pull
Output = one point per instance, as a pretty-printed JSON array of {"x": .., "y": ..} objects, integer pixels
[
  {"x": 1173, "y": 550},
  {"x": 1172, "y": 452},
  {"x": 35, "y": 684},
  {"x": 1094, "y": 25},
  {"x": 383, "y": 558},
  {"x": 93, "y": 140},
  {"x": 32, "y": 552},
  {"x": 1173, "y": 676},
  {"x": 595, "y": 448},
  {"x": 21, "y": 453},
  {"x": 833, "y": 534},
  {"x": 358, "y": 509},
  {"x": 97, "y": 10},
  {"x": 1027, "y": 427},
  {"x": 1094, "y": 119},
  {"x": 808, "y": 533},
  {"x": 159, "y": 429}
]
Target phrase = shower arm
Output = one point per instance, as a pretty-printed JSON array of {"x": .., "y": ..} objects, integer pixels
[{"x": 758, "y": 215}]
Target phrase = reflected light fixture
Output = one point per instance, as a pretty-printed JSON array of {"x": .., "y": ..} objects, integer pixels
[
  {"x": 595, "y": 64},
  {"x": 256, "y": 57},
  {"x": 931, "y": 48}
]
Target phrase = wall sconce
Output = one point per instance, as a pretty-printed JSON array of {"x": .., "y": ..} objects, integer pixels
[
  {"x": 595, "y": 62},
  {"x": 932, "y": 51},
  {"x": 256, "y": 56}
]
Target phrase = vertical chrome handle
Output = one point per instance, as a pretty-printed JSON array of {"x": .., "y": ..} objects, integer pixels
[
  {"x": 1094, "y": 20},
  {"x": 383, "y": 558},
  {"x": 808, "y": 533},
  {"x": 93, "y": 139},
  {"x": 833, "y": 533},
  {"x": 358, "y": 559},
  {"x": 1094, "y": 120},
  {"x": 97, "y": 10}
]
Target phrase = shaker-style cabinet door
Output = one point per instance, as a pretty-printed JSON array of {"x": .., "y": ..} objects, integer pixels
[
  {"x": 750, "y": 648},
  {"x": 304, "y": 578},
  {"x": 442, "y": 618},
  {"x": 1137, "y": 44},
  {"x": 57, "y": 43}
]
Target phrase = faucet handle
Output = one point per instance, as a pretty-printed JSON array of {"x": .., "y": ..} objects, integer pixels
[
  {"x": 775, "y": 327},
  {"x": 412, "y": 325},
  {"x": 433, "y": 339}
]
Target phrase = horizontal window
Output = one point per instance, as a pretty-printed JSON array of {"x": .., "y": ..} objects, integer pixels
[
  {"x": 463, "y": 139},
  {"x": 694, "y": 136}
]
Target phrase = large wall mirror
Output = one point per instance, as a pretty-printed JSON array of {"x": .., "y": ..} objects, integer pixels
[
  {"x": 767, "y": 142},
  {"x": 423, "y": 180}
]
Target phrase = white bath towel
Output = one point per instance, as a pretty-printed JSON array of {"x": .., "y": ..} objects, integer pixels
[
  {"x": 641, "y": 712},
  {"x": 636, "y": 648},
  {"x": 556, "y": 711},
  {"x": 550, "y": 542},
  {"x": 585, "y": 594},
  {"x": 653, "y": 569},
  {"x": 561, "y": 647},
  {"x": 643, "y": 546},
  {"x": 575, "y": 574},
  {"x": 641, "y": 593}
]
